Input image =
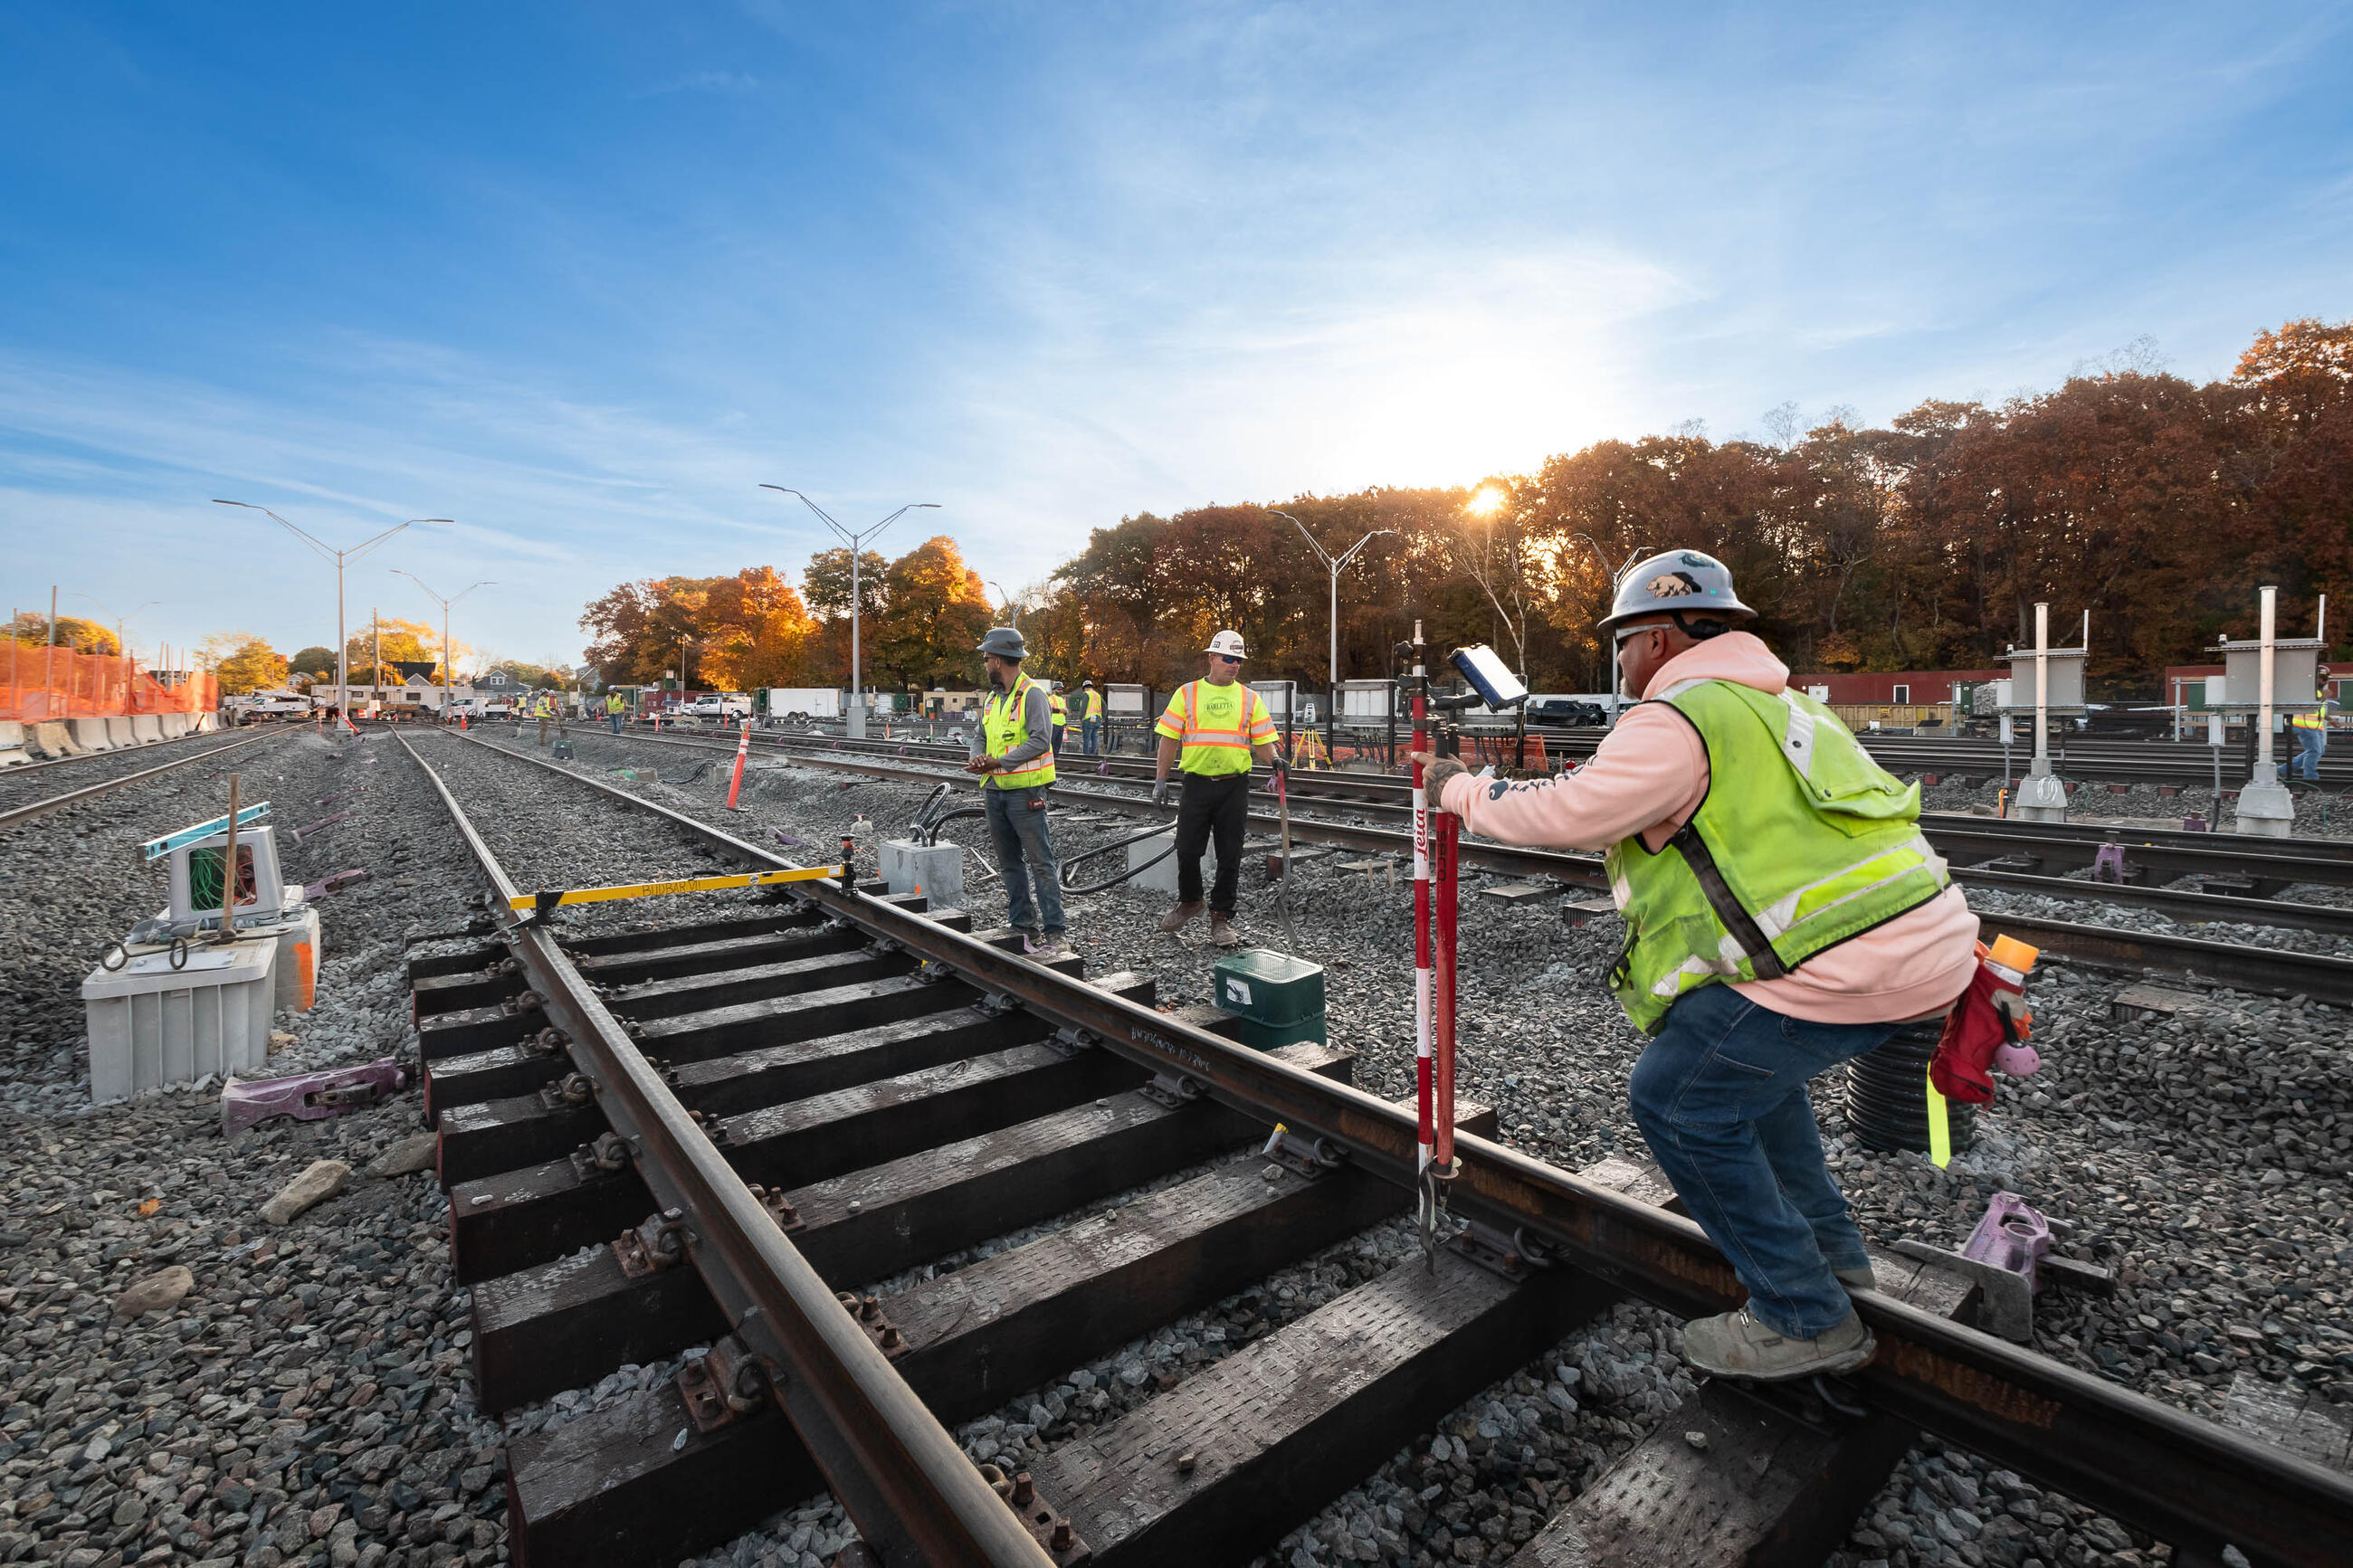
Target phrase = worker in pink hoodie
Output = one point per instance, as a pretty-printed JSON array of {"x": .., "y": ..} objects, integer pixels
[{"x": 1783, "y": 913}]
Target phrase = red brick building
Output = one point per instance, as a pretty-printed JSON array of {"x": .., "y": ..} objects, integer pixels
[{"x": 1897, "y": 687}]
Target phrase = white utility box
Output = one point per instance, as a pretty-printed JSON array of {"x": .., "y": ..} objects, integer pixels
[
  {"x": 1367, "y": 699},
  {"x": 151, "y": 1025},
  {"x": 2066, "y": 680},
  {"x": 2295, "y": 672},
  {"x": 1124, "y": 698}
]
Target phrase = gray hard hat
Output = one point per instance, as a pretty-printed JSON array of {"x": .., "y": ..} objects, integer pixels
[
  {"x": 1679, "y": 583},
  {"x": 1005, "y": 643}
]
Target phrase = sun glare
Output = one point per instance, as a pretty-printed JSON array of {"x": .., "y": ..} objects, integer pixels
[{"x": 1484, "y": 502}]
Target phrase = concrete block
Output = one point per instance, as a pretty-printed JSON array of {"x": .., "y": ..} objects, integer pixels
[
  {"x": 51, "y": 741},
  {"x": 1520, "y": 892},
  {"x": 90, "y": 734},
  {"x": 119, "y": 732},
  {"x": 146, "y": 729},
  {"x": 11, "y": 743},
  {"x": 1160, "y": 879},
  {"x": 207, "y": 723},
  {"x": 1577, "y": 912},
  {"x": 935, "y": 871},
  {"x": 2140, "y": 1002}
]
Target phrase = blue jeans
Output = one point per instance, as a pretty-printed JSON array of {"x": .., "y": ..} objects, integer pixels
[
  {"x": 615, "y": 719},
  {"x": 1016, "y": 820},
  {"x": 2310, "y": 744},
  {"x": 1088, "y": 730},
  {"x": 1720, "y": 1096}
]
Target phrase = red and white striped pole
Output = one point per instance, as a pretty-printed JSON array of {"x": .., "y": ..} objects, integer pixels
[
  {"x": 1422, "y": 945},
  {"x": 1442, "y": 896},
  {"x": 743, "y": 747}
]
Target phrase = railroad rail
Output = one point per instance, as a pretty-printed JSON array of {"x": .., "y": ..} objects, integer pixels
[
  {"x": 17, "y": 816},
  {"x": 2319, "y": 976},
  {"x": 901, "y": 1086}
]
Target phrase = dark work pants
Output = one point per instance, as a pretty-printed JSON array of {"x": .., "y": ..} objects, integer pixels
[{"x": 1215, "y": 804}]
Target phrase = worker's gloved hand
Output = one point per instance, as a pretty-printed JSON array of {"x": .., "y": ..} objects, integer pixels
[
  {"x": 1160, "y": 788},
  {"x": 1277, "y": 763}
]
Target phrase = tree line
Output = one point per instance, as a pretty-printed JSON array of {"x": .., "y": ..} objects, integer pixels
[{"x": 2156, "y": 503}]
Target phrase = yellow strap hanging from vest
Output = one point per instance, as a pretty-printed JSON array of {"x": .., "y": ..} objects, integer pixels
[
  {"x": 691, "y": 885},
  {"x": 1940, "y": 1130}
]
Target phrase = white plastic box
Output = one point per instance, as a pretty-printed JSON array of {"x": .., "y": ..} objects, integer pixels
[{"x": 151, "y": 1024}]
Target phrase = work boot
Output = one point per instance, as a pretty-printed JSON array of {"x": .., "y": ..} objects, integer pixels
[
  {"x": 1733, "y": 1344},
  {"x": 1041, "y": 948},
  {"x": 1222, "y": 932},
  {"x": 1860, "y": 1279},
  {"x": 1174, "y": 920}
]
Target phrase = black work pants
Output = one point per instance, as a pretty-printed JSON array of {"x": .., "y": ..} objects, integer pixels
[{"x": 1218, "y": 804}]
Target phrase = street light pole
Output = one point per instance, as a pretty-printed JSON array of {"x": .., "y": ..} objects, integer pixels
[
  {"x": 857, "y": 717},
  {"x": 1335, "y": 564},
  {"x": 448, "y": 666},
  {"x": 1012, "y": 606},
  {"x": 342, "y": 558}
]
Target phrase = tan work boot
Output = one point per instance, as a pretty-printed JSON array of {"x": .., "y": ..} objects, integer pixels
[
  {"x": 1222, "y": 932},
  {"x": 1733, "y": 1344},
  {"x": 1174, "y": 920}
]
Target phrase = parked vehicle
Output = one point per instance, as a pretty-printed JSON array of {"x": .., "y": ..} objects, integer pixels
[
  {"x": 1566, "y": 710},
  {"x": 725, "y": 706},
  {"x": 272, "y": 705}
]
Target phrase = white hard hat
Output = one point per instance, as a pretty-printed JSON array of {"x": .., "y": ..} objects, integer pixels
[{"x": 1229, "y": 643}]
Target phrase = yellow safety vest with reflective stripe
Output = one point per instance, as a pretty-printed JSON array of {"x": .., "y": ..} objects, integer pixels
[
  {"x": 1215, "y": 726},
  {"x": 613, "y": 703},
  {"x": 2315, "y": 717},
  {"x": 1089, "y": 704},
  {"x": 1803, "y": 842},
  {"x": 1003, "y": 726},
  {"x": 1061, "y": 711}
]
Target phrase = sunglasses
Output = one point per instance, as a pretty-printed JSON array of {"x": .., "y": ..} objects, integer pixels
[{"x": 1225, "y": 659}]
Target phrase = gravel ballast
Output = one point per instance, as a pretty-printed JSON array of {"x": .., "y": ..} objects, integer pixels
[{"x": 307, "y": 1400}]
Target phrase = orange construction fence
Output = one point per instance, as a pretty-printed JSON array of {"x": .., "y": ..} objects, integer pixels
[{"x": 38, "y": 682}]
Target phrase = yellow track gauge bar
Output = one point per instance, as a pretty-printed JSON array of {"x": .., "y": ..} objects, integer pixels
[{"x": 691, "y": 885}]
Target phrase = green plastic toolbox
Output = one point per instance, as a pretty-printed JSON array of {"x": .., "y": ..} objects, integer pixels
[{"x": 1267, "y": 987}]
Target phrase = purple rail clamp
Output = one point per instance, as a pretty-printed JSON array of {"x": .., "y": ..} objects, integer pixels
[
  {"x": 2012, "y": 1236},
  {"x": 310, "y": 1096},
  {"x": 334, "y": 882}
]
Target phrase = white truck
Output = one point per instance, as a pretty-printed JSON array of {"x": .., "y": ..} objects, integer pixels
[
  {"x": 804, "y": 702},
  {"x": 725, "y": 707}
]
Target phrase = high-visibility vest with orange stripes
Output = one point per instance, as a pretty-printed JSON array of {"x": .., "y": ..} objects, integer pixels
[
  {"x": 1215, "y": 726},
  {"x": 2313, "y": 718}
]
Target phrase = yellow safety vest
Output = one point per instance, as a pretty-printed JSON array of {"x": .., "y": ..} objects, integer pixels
[
  {"x": 2313, "y": 718},
  {"x": 1061, "y": 711},
  {"x": 1215, "y": 729},
  {"x": 1091, "y": 704},
  {"x": 613, "y": 703},
  {"x": 1003, "y": 727}
]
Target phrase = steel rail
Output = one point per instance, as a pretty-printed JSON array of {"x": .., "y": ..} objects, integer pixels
[
  {"x": 2194, "y": 1483},
  {"x": 33, "y": 810},
  {"x": 24, "y": 770},
  {"x": 1363, "y": 792},
  {"x": 2319, "y": 976},
  {"x": 915, "y": 1496}
]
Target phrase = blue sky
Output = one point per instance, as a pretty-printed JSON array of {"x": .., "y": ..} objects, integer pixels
[{"x": 580, "y": 277}]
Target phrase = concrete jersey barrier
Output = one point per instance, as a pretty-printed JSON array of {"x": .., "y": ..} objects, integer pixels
[
  {"x": 146, "y": 729},
  {"x": 51, "y": 741},
  {"x": 90, "y": 734},
  {"x": 11, "y": 743},
  {"x": 119, "y": 732}
]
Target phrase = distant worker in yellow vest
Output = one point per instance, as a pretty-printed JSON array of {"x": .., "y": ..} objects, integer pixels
[
  {"x": 1783, "y": 914},
  {"x": 1212, "y": 729},
  {"x": 613, "y": 710},
  {"x": 545, "y": 707},
  {"x": 1090, "y": 717},
  {"x": 2310, "y": 728},
  {"x": 1017, "y": 758},
  {"x": 1061, "y": 711}
]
